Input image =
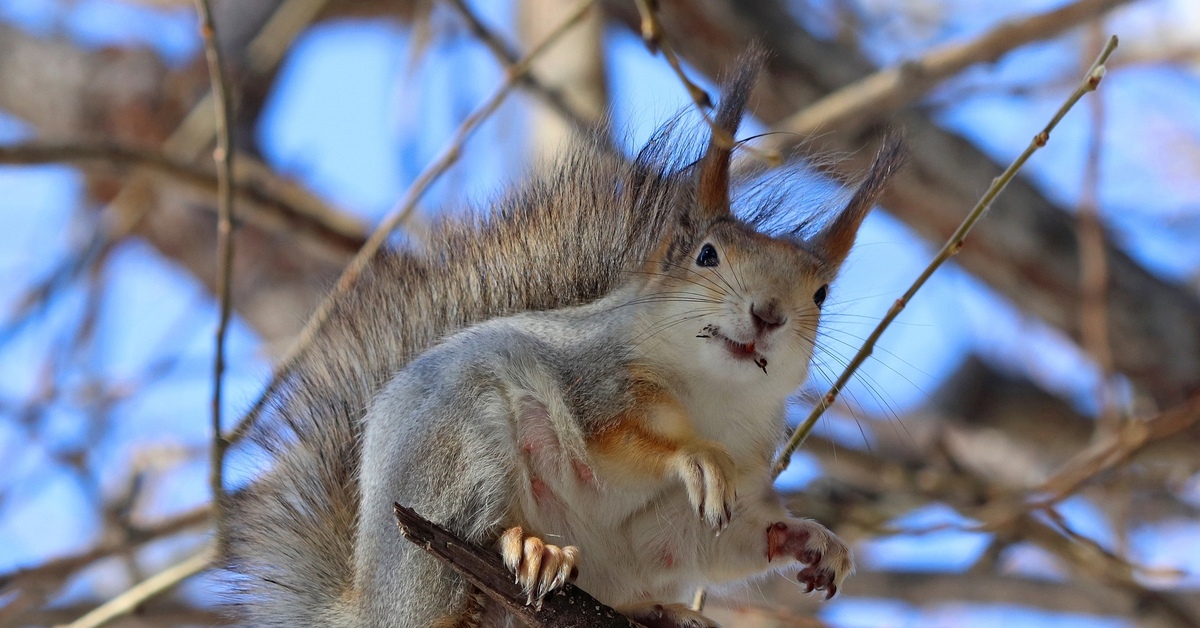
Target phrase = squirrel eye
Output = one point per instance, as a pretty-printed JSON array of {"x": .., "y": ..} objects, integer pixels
[
  {"x": 707, "y": 256},
  {"x": 819, "y": 297}
]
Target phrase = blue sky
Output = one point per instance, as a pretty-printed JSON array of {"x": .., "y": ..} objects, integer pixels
[{"x": 343, "y": 120}]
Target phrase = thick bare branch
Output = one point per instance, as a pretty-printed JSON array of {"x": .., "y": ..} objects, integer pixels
[{"x": 855, "y": 106}]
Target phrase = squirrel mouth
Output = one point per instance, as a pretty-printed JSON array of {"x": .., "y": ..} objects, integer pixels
[
  {"x": 742, "y": 351},
  {"x": 739, "y": 350}
]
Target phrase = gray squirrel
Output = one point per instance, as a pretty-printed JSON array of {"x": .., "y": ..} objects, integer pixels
[{"x": 592, "y": 379}]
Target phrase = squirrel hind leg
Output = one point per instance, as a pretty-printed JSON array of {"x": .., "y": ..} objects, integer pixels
[
  {"x": 472, "y": 615},
  {"x": 538, "y": 567},
  {"x": 654, "y": 615}
]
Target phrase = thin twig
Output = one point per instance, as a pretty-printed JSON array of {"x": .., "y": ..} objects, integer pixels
[
  {"x": 63, "y": 567},
  {"x": 144, "y": 590},
  {"x": 196, "y": 129},
  {"x": 397, "y": 217},
  {"x": 655, "y": 38},
  {"x": 254, "y": 184},
  {"x": 509, "y": 57},
  {"x": 952, "y": 247},
  {"x": 187, "y": 141},
  {"x": 656, "y": 41},
  {"x": 223, "y": 155}
]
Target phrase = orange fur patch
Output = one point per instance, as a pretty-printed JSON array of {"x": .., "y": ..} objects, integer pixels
[{"x": 644, "y": 438}]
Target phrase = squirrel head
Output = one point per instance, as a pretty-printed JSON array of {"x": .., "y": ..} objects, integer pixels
[{"x": 743, "y": 306}]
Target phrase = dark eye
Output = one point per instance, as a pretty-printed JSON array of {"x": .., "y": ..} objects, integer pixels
[
  {"x": 707, "y": 256},
  {"x": 821, "y": 293}
]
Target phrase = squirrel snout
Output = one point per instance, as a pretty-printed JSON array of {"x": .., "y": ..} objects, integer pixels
[{"x": 767, "y": 317}]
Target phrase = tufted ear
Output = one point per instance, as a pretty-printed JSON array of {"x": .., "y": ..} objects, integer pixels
[
  {"x": 712, "y": 189},
  {"x": 833, "y": 242}
]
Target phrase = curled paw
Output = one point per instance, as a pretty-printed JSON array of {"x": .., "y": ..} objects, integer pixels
[
  {"x": 539, "y": 568},
  {"x": 668, "y": 616},
  {"x": 708, "y": 472},
  {"x": 827, "y": 560}
]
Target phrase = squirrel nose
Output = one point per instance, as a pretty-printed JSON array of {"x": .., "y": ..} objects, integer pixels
[{"x": 768, "y": 317}]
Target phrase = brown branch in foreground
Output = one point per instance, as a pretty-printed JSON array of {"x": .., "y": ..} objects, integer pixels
[
  {"x": 223, "y": 155},
  {"x": 656, "y": 41},
  {"x": 866, "y": 99},
  {"x": 567, "y": 607},
  {"x": 398, "y": 216}
]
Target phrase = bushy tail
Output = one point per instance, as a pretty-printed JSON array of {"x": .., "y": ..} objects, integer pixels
[{"x": 564, "y": 240}]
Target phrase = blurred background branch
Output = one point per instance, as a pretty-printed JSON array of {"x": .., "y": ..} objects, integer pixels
[{"x": 967, "y": 462}]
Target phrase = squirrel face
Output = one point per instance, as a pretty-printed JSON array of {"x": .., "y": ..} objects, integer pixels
[
  {"x": 742, "y": 308},
  {"x": 729, "y": 305}
]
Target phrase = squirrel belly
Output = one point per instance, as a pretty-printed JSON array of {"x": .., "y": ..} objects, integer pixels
[{"x": 603, "y": 363}]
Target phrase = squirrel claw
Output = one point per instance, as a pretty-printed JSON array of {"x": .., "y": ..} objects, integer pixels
[
  {"x": 829, "y": 561},
  {"x": 708, "y": 473},
  {"x": 539, "y": 568}
]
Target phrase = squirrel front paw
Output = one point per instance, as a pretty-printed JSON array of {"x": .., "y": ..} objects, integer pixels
[
  {"x": 539, "y": 568},
  {"x": 668, "y": 616},
  {"x": 708, "y": 472},
  {"x": 829, "y": 561}
]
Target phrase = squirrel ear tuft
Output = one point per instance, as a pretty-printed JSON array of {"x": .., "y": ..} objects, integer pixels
[
  {"x": 834, "y": 241},
  {"x": 712, "y": 191}
]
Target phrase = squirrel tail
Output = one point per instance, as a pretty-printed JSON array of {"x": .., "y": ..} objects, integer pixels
[{"x": 565, "y": 239}]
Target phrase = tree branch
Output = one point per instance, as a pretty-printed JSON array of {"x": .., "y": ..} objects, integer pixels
[
  {"x": 567, "y": 607},
  {"x": 279, "y": 204},
  {"x": 509, "y": 58},
  {"x": 223, "y": 155},
  {"x": 144, "y": 590},
  {"x": 853, "y": 107}
]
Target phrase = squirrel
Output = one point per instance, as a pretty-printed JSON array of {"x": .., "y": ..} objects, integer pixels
[{"x": 591, "y": 379}]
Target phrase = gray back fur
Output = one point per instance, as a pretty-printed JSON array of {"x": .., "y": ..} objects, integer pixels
[{"x": 564, "y": 239}]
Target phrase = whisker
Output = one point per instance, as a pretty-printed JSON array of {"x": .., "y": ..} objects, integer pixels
[
  {"x": 716, "y": 272},
  {"x": 666, "y": 324},
  {"x": 876, "y": 391},
  {"x": 850, "y": 409},
  {"x": 711, "y": 284}
]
